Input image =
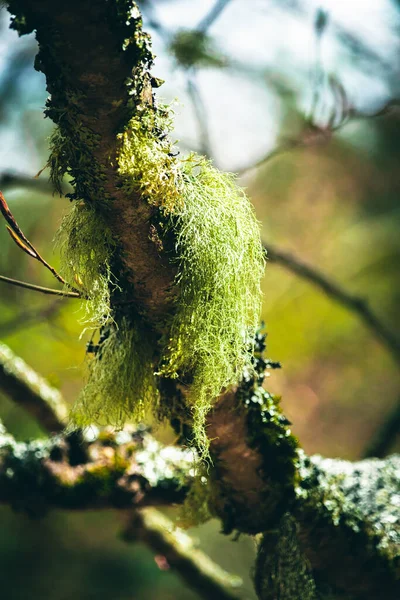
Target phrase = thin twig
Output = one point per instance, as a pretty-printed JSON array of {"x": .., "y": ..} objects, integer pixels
[
  {"x": 317, "y": 135},
  {"x": 212, "y": 15},
  {"x": 10, "y": 180},
  {"x": 41, "y": 289},
  {"x": 384, "y": 437},
  {"x": 355, "y": 304},
  {"x": 31, "y": 391},
  {"x": 22, "y": 242},
  {"x": 175, "y": 550}
]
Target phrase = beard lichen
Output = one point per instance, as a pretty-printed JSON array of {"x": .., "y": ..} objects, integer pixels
[
  {"x": 121, "y": 385},
  {"x": 213, "y": 242},
  {"x": 86, "y": 248},
  {"x": 220, "y": 263}
]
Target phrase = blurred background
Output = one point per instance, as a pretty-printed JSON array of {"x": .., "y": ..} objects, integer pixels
[{"x": 300, "y": 98}]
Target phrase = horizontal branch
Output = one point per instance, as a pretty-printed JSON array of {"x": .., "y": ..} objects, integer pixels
[
  {"x": 12, "y": 180},
  {"x": 122, "y": 470},
  {"x": 40, "y": 289},
  {"x": 178, "y": 552}
]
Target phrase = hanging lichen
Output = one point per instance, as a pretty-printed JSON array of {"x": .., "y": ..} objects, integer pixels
[
  {"x": 220, "y": 264},
  {"x": 219, "y": 260},
  {"x": 86, "y": 247},
  {"x": 204, "y": 225},
  {"x": 121, "y": 385}
]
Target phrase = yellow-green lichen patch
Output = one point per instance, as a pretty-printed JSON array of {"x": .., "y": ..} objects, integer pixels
[
  {"x": 146, "y": 161},
  {"x": 213, "y": 243}
]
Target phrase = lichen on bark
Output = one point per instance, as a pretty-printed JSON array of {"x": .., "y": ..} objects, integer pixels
[{"x": 165, "y": 246}]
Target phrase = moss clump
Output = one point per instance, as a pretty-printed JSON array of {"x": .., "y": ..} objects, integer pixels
[
  {"x": 87, "y": 246},
  {"x": 220, "y": 263},
  {"x": 121, "y": 385},
  {"x": 218, "y": 255},
  {"x": 282, "y": 569},
  {"x": 146, "y": 161}
]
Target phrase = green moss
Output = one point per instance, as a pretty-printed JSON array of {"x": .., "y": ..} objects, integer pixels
[
  {"x": 270, "y": 434},
  {"x": 218, "y": 256},
  {"x": 146, "y": 161},
  {"x": 282, "y": 570},
  {"x": 219, "y": 260}
]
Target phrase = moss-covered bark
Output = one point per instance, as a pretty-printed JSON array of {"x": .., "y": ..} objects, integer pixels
[{"x": 119, "y": 470}]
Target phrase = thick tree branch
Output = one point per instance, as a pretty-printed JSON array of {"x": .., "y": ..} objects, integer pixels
[
  {"x": 97, "y": 82},
  {"x": 345, "y": 512},
  {"x": 123, "y": 470}
]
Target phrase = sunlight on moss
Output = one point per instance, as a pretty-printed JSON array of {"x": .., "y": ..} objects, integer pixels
[
  {"x": 219, "y": 258},
  {"x": 146, "y": 162}
]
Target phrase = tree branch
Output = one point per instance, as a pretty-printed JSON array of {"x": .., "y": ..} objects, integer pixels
[
  {"x": 179, "y": 553},
  {"x": 11, "y": 180},
  {"x": 26, "y": 388},
  {"x": 122, "y": 470},
  {"x": 41, "y": 289},
  {"x": 354, "y": 304}
]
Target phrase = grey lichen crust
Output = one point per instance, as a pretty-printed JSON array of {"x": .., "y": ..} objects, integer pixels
[
  {"x": 118, "y": 470},
  {"x": 349, "y": 516}
]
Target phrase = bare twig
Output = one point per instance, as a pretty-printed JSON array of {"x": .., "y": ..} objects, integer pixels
[
  {"x": 31, "y": 391},
  {"x": 212, "y": 15},
  {"x": 176, "y": 551},
  {"x": 10, "y": 180},
  {"x": 22, "y": 242},
  {"x": 355, "y": 304},
  {"x": 384, "y": 437},
  {"x": 317, "y": 135},
  {"x": 41, "y": 289}
]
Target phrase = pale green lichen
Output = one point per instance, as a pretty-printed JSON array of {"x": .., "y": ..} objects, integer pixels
[
  {"x": 121, "y": 385},
  {"x": 220, "y": 263},
  {"x": 214, "y": 243},
  {"x": 86, "y": 247},
  {"x": 146, "y": 162}
]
